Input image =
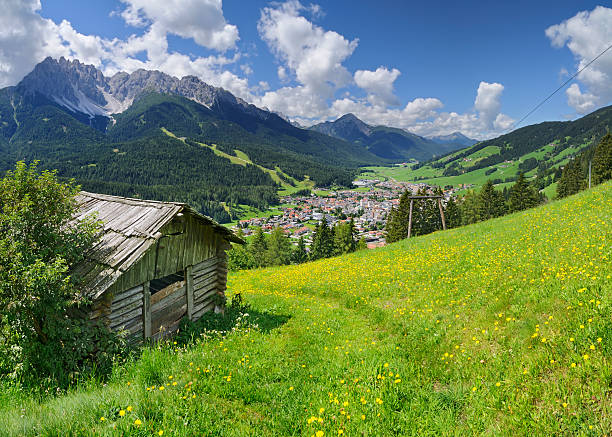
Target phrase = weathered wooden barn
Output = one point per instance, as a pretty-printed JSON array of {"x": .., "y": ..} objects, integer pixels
[{"x": 156, "y": 262}]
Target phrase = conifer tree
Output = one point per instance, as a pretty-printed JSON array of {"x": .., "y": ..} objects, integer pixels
[
  {"x": 602, "y": 160},
  {"x": 572, "y": 179},
  {"x": 258, "y": 248},
  {"x": 392, "y": 227},
  {"x": 397, "y": 220},
  {"x": 279, "y": 248},
  {"x": 322, "y": 241},
  {"x": 299, "y": 254},
  {"x": 419, "y": 215},
  {"x": 452, "y": 214},
  {"x": 343, "y": 238},
  {"x": 522, "y": 195},
  {"x": 469, "y": 208},
  {"x": 431, "y": 221},
  {"x": 490, "y": 202}
]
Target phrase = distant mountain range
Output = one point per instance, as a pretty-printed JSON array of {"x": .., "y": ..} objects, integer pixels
[
  {"x": 391, "y": 143},
  {"x": 454, "y": 138},
  {"x": 152, "y": 135}
]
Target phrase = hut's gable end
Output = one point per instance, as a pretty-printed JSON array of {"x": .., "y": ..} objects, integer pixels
[{"x": 184, "y": 241}]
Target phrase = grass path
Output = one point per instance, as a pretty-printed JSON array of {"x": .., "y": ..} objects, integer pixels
[{"x": 499, "y": 328}]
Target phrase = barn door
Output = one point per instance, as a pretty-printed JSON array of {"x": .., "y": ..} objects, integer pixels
[{"x": 168, "y": 304}]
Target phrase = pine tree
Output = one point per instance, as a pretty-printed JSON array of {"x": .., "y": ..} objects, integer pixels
[
  {"x": 299, "y": 254},
  {"x": 419, "y": 215},
  {"x": 322, "y": 241},
  {"x": 452, "y": 214},
  {"x": 431, "y": 219},
  {"x": 397, "y": 220},
  {"x": 258, "y": 248},
  {"x": 522, "y": 195},
  {"x": 572, "y": 179},
  {"x": 602, "y": 160},
  {"x": 392, "y": 227},
  {"x": 490, "y": 202},
  {"x": 279, "y": 248},
  {"x": 469, "y": 208},
  {"x": 343, "y": 238}
]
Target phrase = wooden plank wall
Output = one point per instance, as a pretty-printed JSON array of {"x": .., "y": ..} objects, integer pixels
[
  {"x": 126, "y": 311},
  {"x": 185, "y": 241},
  {"x": 205, "y": 283}
]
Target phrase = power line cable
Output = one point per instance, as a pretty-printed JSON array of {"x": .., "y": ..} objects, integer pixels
[{"x": 515, "y": 125}]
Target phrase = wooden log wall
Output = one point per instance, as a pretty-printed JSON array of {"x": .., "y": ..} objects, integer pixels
[
  {"x": 205, "y": 286},
  {"x": 222, "y": 272},
  {"x": 126, "y": 311},
  {"x": 182, "y": 246}
]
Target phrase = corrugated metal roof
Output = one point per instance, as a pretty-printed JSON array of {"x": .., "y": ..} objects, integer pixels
[{"x": 130, "y": 228}]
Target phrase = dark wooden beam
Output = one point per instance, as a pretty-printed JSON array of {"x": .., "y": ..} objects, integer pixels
[
  {"x": 189, "y": 291},
  {"x": 410, "y": 217},
  {"x": 146, "y": 311},
  {"x": 442, "y": 214}
]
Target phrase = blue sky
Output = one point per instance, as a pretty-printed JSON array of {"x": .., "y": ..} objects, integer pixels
[{"x": 430, "y": 67}]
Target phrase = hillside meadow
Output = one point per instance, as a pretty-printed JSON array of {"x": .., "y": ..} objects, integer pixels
[{"x": 498, "y": 328}]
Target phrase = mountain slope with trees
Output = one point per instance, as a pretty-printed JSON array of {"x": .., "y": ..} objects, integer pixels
[
  {"x": 60, "y": 114},
  {"x": 538, "y": 151}
]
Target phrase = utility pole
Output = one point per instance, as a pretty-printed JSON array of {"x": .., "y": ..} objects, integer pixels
[{"x": 589, "y": 174}]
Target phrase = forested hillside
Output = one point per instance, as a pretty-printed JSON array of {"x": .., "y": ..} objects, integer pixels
[{"x": 131, "y": 154}]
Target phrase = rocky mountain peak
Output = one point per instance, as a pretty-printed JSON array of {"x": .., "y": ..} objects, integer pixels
[
  {"x": 69, "y": 83},
  {"x": 347, "y": 126},
  {"x": 83, "y": 88}
]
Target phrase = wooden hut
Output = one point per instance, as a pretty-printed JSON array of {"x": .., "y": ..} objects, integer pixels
[{"x": 156, "y": 262}]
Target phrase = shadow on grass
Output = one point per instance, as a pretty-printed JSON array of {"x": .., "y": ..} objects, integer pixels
[{"x": 237, "y": 315}]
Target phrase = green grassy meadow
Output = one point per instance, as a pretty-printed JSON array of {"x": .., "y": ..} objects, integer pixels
[{"x": 498, "y": 328}]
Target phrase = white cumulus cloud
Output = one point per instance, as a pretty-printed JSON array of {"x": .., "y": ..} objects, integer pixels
[
  {"x": 313, "y": 56},
  {"x": 586, "y": 35},
  {"x": 201, "y": 20},
  {"x": 26, "y": 38},
  {"x": 488, "y": 102},
  {"x": 423, "y": 116},
  {"x": 310, "y": 63},
  {"x": 379, "y": 85},
  {"x": 313, "y": 59}
]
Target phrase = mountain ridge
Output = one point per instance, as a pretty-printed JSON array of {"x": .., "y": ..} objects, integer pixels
[
  {"x": 455, "y": 137},
  {"x": 68, "y": 83},
  {"x": 384, "y": 141}
]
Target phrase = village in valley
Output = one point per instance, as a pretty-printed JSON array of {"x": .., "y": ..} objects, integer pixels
[{"x": 368, "y": 205}]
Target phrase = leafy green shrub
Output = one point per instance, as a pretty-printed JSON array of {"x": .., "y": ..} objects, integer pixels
[
  {"x": 79, "y": 349},
  {"x": 45, "y": 331}
]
